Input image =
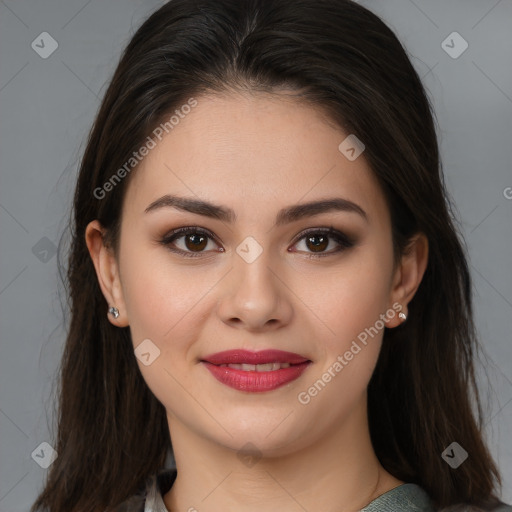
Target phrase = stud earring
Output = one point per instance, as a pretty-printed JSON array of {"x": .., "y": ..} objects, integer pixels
[
  {"x": 402, "y": 316},
  {"x": 113, "y": 311}
]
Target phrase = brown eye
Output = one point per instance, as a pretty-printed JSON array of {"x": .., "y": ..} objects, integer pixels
[
  {"x": 189, "y": 242},
  {"x": 196, "y": 242},
  {"x": 193, "y": 242},
  {"x": 317, "y": 243}
]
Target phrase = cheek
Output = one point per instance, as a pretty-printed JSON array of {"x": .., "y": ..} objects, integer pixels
[
  {"x": 157, "y": 292},
  {"x": 348, "y": 301},
  {"x": 349, "y": 338},
  {"x": 164, "y": 302}
]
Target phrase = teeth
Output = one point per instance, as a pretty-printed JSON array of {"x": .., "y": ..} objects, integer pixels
[{"x": 267, "y": 367}]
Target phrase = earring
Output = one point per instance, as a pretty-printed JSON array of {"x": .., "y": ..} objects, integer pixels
[
  {"x": 402, "y": 316},
  {"x": 113, "y": 311}
]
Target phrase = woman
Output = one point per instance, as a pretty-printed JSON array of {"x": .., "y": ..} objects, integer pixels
[{"x": 265, "y": 271}]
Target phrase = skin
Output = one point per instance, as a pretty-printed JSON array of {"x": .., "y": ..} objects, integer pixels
[{"x": 257, "y": 153}]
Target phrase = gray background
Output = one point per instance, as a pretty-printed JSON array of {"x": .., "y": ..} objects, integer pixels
[{"x": 47, "y": 107}]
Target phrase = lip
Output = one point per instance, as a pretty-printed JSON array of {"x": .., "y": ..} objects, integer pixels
[
  {"x": 255, "y": 381},
  {"x": 260, "y": 357}
]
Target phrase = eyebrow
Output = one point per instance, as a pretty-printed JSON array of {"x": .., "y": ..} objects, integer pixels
[{"x": 284, "y": 216}]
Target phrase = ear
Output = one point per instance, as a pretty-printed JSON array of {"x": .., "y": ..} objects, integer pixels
[
  {"x": 408, "y": 275},
  {"x": 107, "y": 271}
]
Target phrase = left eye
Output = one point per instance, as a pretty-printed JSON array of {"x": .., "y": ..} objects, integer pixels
[
  {"x": 194, "y": 241},
  {"x": 319, "y": 240}
]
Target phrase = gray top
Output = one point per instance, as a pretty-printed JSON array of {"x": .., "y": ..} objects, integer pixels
[{"x": 404, "y": 498}]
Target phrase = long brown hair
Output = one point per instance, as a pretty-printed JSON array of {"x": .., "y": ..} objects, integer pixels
[{"x": 112, "y": 433}]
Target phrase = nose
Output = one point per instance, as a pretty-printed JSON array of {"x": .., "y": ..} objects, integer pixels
[{"x": 255, "y": 296}]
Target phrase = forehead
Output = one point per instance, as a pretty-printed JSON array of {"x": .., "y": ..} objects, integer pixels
[{"x": 254, "y": 152}]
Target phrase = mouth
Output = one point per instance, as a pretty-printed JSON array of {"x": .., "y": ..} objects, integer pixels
[
  {"x": 255, "y": 371},
  {"x": 266, "y": 367}
]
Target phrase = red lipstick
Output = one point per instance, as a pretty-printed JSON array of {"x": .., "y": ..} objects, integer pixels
[{"x": 255, "y": 371}]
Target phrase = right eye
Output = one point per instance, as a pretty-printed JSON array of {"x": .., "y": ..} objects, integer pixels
[{"x": 195, "y": 240}]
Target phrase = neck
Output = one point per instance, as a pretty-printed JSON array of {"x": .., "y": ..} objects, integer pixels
[{"x": 339, "y": 472}]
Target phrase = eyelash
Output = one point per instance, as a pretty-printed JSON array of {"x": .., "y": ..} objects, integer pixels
[{"x": 343, "y": 240}]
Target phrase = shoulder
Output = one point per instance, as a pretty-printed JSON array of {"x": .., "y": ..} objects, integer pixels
[
  {"x": 407, "y": 497},
  {"x": 411, "y": 497},
  {"x": 473, "y": 508},
  {"x": 404, "y": 498}
]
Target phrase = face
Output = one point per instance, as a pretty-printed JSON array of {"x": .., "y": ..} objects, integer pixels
[{"x": 256, "y": 273}]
